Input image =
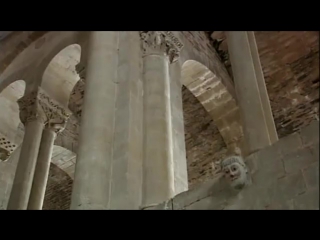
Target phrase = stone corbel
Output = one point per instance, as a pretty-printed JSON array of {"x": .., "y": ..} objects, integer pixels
[
  {"x": 161, "y": 42},
  {"x": 39, "y": 106},
  {"x": 7, "y": 147},
  {"x": 235, "y": 172}
]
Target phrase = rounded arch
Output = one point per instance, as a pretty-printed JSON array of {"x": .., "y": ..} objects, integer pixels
[
  {"x": 60, "y": 76},
  {"x": 217, "y": 100},
  {"x": 64, "y": 159},
  {"x": 11, "y": 128},
  {"x": 31, "y": 63}
]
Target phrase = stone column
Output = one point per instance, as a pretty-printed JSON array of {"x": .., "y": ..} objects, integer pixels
[
  {"x": 262, "y": 88},
  {"x": 91, "y": 186},
  {"x": 178, "y": 137},
  {"x": 251, "y": 91},
  {"x": 55, "y": 124},
  {"x": 33, "y": 116},
  {"x": 159, "y": 50}
]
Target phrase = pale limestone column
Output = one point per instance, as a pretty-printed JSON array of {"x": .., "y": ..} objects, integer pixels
[
  {"x": 56, "y": 124},
  {"x": 33, "y": 116},
  {"x": 251, "y": 96},
  {"x": 178, "y": 137},
  {"x": 262, "y": 88},
  {"x": 91, "y": 186},
  {"x": 159, "y": 50},
  {"x": 126, "y": 181}
]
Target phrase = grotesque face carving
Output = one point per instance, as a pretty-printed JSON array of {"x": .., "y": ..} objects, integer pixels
[{"x": 235, "y": 171}]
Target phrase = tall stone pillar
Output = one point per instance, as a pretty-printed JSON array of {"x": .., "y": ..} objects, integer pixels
[
  {"x": 159, "y": 50},
  {"x": 56, "y": 123},
  {"x": 252, "y": 96},
  {"x": 91, "y": 186},
  {"x": 34, "y": 116},
  {"x": 178, "y": 136},
  {"x": 262, "y": 88}
]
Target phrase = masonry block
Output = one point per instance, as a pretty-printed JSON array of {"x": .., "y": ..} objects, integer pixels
[
  {"x": 311, "y": 175},
  {"x": 269, "y": 166},
  {"x": 251, "y": 162},
  {"x": 212, "y": 187},
  {"x": 307, "y": 201},
  {"x": 252, "y": 197},
  {"x": 281, "y": 205},
  {"x": 289, "y": 144},
  {"x": 310, "y": 134},
  {"x": 315, "y": 151},
  {"x": 208, "y": 203},
  {"x": 298, "y": 160},
  {"x": 288, "y": 188},
  {"x": 167, "y": 205}
]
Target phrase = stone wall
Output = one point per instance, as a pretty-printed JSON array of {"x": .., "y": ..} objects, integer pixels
[
  {"x": 58, "y": 191},
  {"x": 204, "y": 143},
  {"x": 284, "y": 176},
  {"x": 290, "y": 63}
]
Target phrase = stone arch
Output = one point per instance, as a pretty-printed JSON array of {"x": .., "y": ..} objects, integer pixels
[
  {"x": 64, "y": 159},
  {"x": 60, "y": 76},
  {"x": 39, "y": 49},
  {"x": 11, "y": 128},
  {"x": 31, "y": 63},
  {"x": 217, "y": 100},
  {"x": 197, "y": 48}
]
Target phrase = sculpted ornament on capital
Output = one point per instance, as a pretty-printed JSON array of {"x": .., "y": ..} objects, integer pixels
[
  {"x": 81, "y": 70},
  {"x": 39, "y": 106},
  {"x": 161, "y": 42}
]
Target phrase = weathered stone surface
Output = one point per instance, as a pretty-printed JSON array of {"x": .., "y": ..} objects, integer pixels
[
  {"x": 307, "y": 201},
  {"x": 298, "y": 160},
  {"x": 311, "y": 175},
  {"x": 167, "y": 205},
  {"x": 289, "y": 187},
  {"x": 211, "y": 187},
  {"x": 288, "y": 144},
  {"x": 315, "y": 152},
  {"x": 309, "y": 133},
  {"x": 281, "y": 205},
  {"x": 252, "y": 163},
  {"x": 270, "y": 166},
  {"x": 208, "y": 203},
  {"x": 58, "y": 191}
]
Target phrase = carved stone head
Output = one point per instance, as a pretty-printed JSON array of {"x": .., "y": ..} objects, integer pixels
[{"x": 235, "y": 171}]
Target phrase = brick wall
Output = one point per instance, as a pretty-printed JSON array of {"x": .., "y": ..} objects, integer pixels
[
  {"x": 204, "y": 143},
  {"x": 58, "y": 192},
  {"x": 200, "y": 41},
  {"x": 284, "y": 176},
  {"x": 290, "y": 63}
]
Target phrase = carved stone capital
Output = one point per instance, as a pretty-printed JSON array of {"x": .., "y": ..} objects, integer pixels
[
  {"x": 161, "y": 42},
  {"x": 76, "y": 98},
  {"x": 6, "y": 147},
  {"x": 39, "y": 106},
  {"x": 81, "y": 70}
]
